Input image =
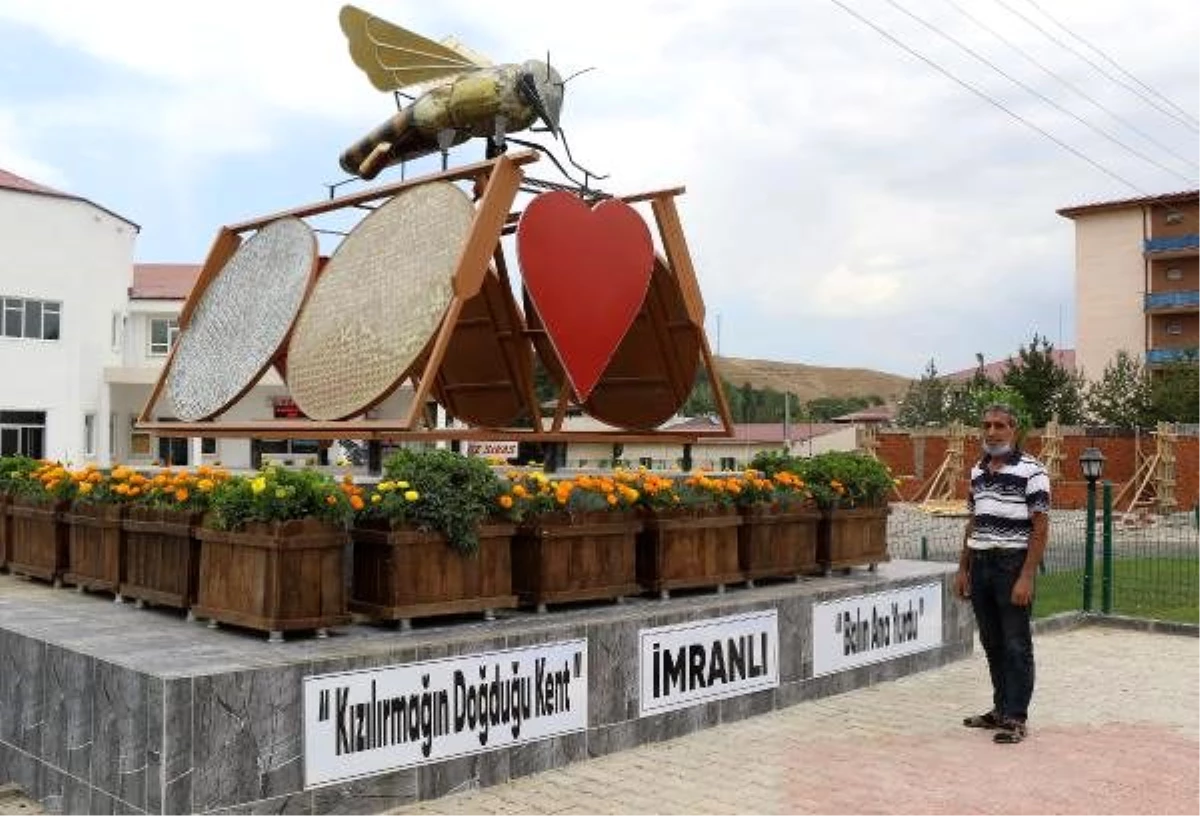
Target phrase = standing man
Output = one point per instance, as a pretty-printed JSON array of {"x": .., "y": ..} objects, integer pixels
[{"x": 1009, "y": 503}]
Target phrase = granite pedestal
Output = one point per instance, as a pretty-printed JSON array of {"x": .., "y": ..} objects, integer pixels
[{"x": 105, "y": 708}]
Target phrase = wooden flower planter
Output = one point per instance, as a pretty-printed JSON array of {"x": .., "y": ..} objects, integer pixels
[
  {"x": 94, "y": 546},
  {"x": 276, "y": 577},
  {"x": 5, "y": 529},
  {"x": 679, "y": 549},
  {"x": 37, "y": 545},
  {"x": 853, "y": 537},
  {"x": 585, "y": 557},
  {"x": 162, "y": 557},
  {"x": 401, "y": 574},
  {"x": 778, "y": 540}
]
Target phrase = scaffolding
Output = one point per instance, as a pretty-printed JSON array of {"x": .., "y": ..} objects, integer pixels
[
  {"x": 937, "y": 498},
  {"x": 1051, "y": 454},
  {"x": 1153, "y": 484}
]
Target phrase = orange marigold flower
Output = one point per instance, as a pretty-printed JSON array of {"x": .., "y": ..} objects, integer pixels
[{"x": 506, "y": 501}]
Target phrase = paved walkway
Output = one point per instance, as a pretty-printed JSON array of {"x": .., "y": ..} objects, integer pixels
[{"x": 1114, "y": 729}]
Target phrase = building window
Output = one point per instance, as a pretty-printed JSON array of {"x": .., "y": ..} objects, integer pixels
[
  {"x": 89, "y": 434},
  {"x": 1174, "y": 217},
  {"x": 163, "y": 331},
  {"x": 1174, "y": 273},
  {"x": 29, "y": 318},
  {"x": 1175, "y": 327},
  {"x": 22, "y": 433},
  {"x": 208, "y": 445},
  {"x": 118, "y": 331},
  {"x": 728, "y": 463},
  {"x": 646, "y": 462}
]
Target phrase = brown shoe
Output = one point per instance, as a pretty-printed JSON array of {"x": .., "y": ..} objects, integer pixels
[
  {"x": 1010, "y": 732},
  {"x": 990, "y": 720}
]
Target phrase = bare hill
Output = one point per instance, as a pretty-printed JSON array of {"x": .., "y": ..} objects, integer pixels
[{"x": 809, "y": 382}]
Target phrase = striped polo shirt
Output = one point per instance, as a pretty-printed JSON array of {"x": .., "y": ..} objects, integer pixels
[{"x": 1002, "y": 503}]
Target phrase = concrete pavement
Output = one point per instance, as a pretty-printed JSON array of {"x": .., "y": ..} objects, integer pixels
[{"x": 1113, "y": 729}]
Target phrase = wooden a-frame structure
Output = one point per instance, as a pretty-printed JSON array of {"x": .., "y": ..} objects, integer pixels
[{"x": 500, "y": 180}]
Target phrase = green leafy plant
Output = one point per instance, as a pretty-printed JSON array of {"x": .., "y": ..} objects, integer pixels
[
  {"x": 437, "y": 490},
  {"x": 14, "y": 471},
  {"x": 845, "y": 479},
  {"x": 280, "y": 494}
]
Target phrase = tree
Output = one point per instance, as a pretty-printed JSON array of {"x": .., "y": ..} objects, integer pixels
[
  {"x": 1175, "y": 392},
  {"x": 925, "y": 401},
  {"x": 1122, "y": 395},
  {"x": 1046, "y": 387}
]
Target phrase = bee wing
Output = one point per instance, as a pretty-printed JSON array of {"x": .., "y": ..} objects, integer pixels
[{"x": 394, "y": 57}]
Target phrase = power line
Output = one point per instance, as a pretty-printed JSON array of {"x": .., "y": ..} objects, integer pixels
[
  {"x": 883, "y": 33},
  {"x": 1037, "y": 93},
  {"x": 1186, "y": 121},
  {"x": 1072, "y": 86},
  {"x": 1111, "y": 61}
]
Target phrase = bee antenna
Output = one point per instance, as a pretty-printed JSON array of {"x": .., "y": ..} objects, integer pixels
[{"x": 577, "y": 73}]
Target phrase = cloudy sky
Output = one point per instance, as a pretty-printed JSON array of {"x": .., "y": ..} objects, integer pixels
[{"x": 849, "y": 202}]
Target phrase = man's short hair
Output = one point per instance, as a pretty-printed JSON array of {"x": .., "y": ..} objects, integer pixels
[{"x": 1002, "y": 408}]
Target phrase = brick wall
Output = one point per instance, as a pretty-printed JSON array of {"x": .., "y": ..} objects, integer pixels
[{"x": 914, "y": 457}]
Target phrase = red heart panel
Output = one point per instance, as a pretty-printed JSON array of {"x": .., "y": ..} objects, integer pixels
[{"x": 587, "y": 270}]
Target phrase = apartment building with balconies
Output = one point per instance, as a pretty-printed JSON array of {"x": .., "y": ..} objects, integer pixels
[{"x": 1137, "y": 280}]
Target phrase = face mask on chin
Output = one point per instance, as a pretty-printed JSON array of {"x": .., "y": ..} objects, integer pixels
[{"x": 997, "y": 450}]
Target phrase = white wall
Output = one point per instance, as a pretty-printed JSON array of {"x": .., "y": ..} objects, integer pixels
[
  {"x": 1110, "y": 282},
  {"x": 81, "y": 256}
]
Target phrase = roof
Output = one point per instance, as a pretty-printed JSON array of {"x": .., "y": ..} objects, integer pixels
[
  {"x": 876, "y": 413},
  {"x": 1185, "y": 197},
  {"x": 994, "y": 371},
  {"x": 163, "y": 281},
  {"x": 11, "y": 181},
  {"x": 797, "y": 431}
]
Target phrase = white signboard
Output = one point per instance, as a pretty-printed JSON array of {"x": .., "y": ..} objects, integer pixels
[
  {"x": 365, "y": 722},
  {"x": 700, "y": 661},
  {"x": 852, "y": 632},
  {"x": 493, "y": 450}
]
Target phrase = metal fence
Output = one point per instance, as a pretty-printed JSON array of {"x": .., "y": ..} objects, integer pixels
[{"x": 1151, "y": 570}]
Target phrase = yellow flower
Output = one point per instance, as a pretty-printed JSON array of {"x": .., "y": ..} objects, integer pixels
[
  {"x": 280, "y": 493},
  {"x": 376, "y": 498},
  {"x": 258, "y": 485},
  {"x": 411, "y": 495}
]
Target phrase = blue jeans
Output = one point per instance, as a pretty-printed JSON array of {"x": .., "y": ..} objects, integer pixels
[{"x": 1004, "y": 629}]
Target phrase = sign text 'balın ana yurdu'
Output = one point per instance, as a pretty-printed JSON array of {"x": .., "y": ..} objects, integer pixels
[
  {"x": 696, "y": 662},
  {"x": 851, "y": 632},
  {"x": 365, "y": 722}
]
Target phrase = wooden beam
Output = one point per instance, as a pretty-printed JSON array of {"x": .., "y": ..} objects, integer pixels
[
  {"x": 393, "y": 429},
  {"x": 467, "y": 171},
  {"x": 498, "y": 196},
  {"x": 675, "y": 245},
  {"x": 417, "y": 407}
]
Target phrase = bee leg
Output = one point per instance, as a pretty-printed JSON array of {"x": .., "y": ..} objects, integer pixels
[
  {"x": 445, "y": 138},
  {"x": 497, "y": 144}
]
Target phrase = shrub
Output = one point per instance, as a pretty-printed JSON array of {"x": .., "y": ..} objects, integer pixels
[
  {"x": 280, "y": 494},
  {"x": 845, "y": 479},
  {"x": 437, "y": 490}
]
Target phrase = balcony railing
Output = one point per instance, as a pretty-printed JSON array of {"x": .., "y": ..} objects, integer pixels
[
  {"x": 1156, "y": 301},
  {"x": 1166, "y": 356},
  {"x": 1175, "y": 244}
]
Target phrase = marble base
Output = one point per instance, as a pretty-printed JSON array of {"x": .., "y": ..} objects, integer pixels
[{"x": 105, "y": 708}]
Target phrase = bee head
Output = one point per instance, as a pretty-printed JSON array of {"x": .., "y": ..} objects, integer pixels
[{"x": 542, "y": 89}]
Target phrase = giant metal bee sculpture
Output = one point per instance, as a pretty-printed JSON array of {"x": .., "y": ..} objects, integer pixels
[{"x": 471, "y": 99}]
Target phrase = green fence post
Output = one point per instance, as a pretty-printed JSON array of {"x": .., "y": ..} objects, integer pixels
[
  {"x": 1106, "y": 585},
  {"x": 924, "y": 548},
  {"x": 1089, "y": 550}
]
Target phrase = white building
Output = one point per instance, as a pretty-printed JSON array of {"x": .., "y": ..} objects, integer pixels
[{"x": 64, "y": 276}]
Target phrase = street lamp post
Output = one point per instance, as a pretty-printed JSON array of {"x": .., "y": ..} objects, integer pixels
[{"x": 1091, "y": 462}]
